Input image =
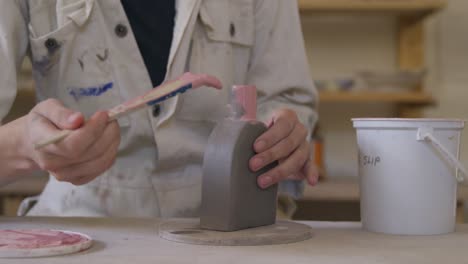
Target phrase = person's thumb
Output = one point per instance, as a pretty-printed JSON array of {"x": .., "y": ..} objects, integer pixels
[{"x": 62, "y": 117}]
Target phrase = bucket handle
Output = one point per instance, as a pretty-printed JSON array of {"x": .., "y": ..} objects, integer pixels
[{"x": 425, "y": 134}]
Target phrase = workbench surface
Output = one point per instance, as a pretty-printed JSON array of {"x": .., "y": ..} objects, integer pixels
[{"x": 136, "y": 241}]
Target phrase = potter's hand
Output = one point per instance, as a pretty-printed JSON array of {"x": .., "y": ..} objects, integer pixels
[
  {"x": 284, "y": 141},
  {"x": 85, "y": 154}
]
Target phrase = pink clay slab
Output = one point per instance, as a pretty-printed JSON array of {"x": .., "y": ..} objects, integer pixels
[{"x": 24, "y": 243}]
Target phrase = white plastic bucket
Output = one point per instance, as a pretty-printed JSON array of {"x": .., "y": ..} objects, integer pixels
[{"x": 408, "y": 174}]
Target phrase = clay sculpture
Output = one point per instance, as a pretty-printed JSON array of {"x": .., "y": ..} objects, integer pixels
[{"x": 231, "y": 198}]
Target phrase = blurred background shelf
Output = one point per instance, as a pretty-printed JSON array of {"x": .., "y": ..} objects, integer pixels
[
  {"x": 347, "y": 189},
  {"x": 403, "y": 24},
  {"x": 411, "y": 7},
  {"x": 337, "y": 199},
  {"x": 29, "y": 186},
  {"x": 415, "y": 98},
  {"x": 12, "y": 194}
]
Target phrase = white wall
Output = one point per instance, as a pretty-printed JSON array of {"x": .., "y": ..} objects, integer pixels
[
  {"x": 449, "y": 51},
  {"x": 341, "y": 45}
]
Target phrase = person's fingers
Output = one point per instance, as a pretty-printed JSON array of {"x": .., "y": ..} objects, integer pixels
[
  {"x": 107, "y": 162},
  {"x": 59, "y": 150},
  {"x": 58, "y": 114},
  {"x": 87, "y": 178},
  {"x": 284, "y": 122},
  {"x": 281, "y": 150},
  {"x": 49, "y": 161},
  {"x": 81, "y": 139},
  {"x": 82, "y": 173},
  {"x": 46, "y": 120},
  {"x": 110, "y": 136},
  {"x": 311, "y": 172},
  {"x": 291, "y": 165},
  {"x": 296, "y": 176},
  {"x": 40, "y": 129}
]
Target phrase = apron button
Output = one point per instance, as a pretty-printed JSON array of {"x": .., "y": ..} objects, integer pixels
[
  {"x": 121, "y": 30},
  {"x": 51, "y": 44},
  {"x": 156, "y": 110}
]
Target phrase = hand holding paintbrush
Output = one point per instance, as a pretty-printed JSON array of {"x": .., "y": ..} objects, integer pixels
[
  {"x": 75, "y": 150},
  {"x": 153, "y": 97}
]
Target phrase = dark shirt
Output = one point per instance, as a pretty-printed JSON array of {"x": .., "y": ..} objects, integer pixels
[{"x": 152, "y": 22}]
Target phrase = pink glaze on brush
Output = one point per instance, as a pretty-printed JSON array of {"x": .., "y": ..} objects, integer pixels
[
  {"x": 199, "y": 80},
  {"x": 165, "y": 89},
  {"x": 246, "y": 97}
]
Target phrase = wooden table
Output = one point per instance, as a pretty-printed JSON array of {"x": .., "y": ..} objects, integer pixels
[{"x": 136, "y": 241}]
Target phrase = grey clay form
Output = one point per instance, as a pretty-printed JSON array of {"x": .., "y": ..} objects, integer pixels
[{"x": 231, "y": 198}]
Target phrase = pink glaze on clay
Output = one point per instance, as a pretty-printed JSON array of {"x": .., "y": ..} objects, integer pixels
[
  {"x": 246, "y": 97},
  {"x": 36, "y": 238}
]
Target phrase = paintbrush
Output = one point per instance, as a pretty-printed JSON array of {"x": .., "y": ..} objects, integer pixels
[{"x": 155, "y": 96}]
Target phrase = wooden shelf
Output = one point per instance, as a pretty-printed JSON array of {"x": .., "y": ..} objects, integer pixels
[
  {"x": 379, "y": 97},
  {"x": 389, "y": 6},
  {"x": 338, "y": 200},
  {"x": 348, "y": 190},
  {"x": 30, "y": 185},
  {"x": 333, "y": 190}
]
